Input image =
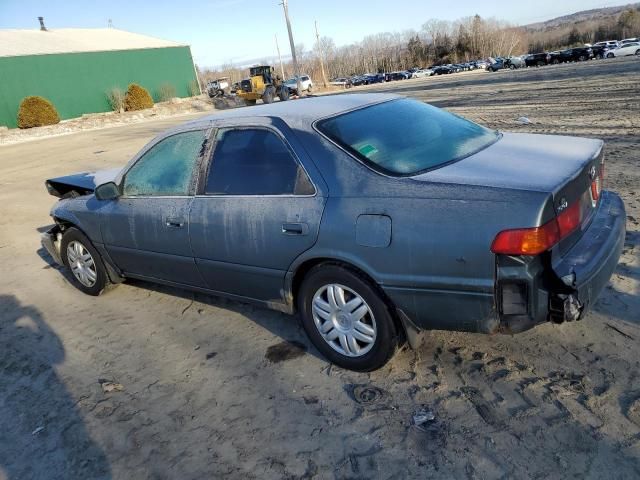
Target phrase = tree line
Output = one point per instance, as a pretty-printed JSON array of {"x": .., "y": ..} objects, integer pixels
[{"x": 440, "y": 42}]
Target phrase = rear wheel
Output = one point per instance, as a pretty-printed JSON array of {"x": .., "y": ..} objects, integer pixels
[
  {"x": 309, "y": 88},
  {"x": 347, "y": 318},
  {"x": 512, "y": 67},
  {"x": 610, "y": 55},
  {"x": 555, "y": 61},
  {"x": 582, "y": 58},
  {"x": 638, "y": 52},
  {"x": 283, "y": 94},
  {"x": 83, "y": 260}
]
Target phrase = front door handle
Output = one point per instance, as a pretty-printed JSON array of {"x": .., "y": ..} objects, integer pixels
[
  {"x": 295, "y": 228},
  {"x": 174, "y": 222}
]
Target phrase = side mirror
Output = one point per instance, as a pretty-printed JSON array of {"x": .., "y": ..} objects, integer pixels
[{"x": 107, "y": 191}]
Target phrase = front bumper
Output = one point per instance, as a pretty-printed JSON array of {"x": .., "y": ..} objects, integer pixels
[{"x": 51, "y": 242}]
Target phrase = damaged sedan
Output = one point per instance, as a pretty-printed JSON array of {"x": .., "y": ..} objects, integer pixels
[{"x": 371, "y": 231}]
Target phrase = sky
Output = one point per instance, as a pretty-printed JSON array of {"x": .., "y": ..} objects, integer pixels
[{"x": 242, "y": 31}]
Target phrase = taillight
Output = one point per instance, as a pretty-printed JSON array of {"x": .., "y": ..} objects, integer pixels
[{"x": 533, "y": 241}]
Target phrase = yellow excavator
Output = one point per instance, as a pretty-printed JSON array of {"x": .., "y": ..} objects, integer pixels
[{"x": 262, "y": 84}]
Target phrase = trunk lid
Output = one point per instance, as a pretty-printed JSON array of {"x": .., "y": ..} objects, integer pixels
[{"x": 564, "y": 167}]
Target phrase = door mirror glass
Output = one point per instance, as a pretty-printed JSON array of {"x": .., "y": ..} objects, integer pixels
[{"x": 107, "y": 191}]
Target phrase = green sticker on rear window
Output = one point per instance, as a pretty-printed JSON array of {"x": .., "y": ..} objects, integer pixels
[{"x": 367, "y": 150}]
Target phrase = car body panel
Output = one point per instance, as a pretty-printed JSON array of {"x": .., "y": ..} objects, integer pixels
[{"x": 424, "y": 240}]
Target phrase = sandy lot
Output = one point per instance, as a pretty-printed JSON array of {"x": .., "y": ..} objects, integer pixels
[{"x": 153, "y": 382}]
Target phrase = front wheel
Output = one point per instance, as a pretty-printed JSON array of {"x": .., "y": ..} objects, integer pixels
[
  {"x": 83, "y": 260},
  {"x": 346, "y": 318},
  {"x": 309, "y": 88},
  {"x": 638, "y": 52},
  {"x": 610, "y": 55}
]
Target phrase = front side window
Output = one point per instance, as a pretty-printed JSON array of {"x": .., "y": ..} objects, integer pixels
[
  {"x": 166, "y": 169},
  {"x": 405, "y": 137},
  {"x": 254, "y": 161}
]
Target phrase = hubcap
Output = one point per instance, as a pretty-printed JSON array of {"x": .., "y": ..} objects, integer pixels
[
  {"x": 81, "y": 263},
  {"x": 344, "y": 320}
]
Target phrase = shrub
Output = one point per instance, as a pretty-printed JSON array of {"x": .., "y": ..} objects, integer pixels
[
  {"x": 166, "y": 92},
  {"x": 36, "y": 112},
  {"x": 194, "y": 88},
  {"x": 137, "y": 98},
  {"x": 115, "y": 97}
]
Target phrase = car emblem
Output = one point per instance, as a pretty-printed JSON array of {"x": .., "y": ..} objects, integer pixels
[
  {"x": 592, "y": 172},
  {"x": 563, "y": 204}
]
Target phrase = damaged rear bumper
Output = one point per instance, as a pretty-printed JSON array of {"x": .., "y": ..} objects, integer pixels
[
  {"x": 532, "y": 290},
  {"x": 587, "y": 267},
  {"x": 51, "y": 242}
]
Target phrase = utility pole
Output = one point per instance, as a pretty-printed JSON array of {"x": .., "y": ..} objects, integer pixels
[
  {"x": 324, "y": 77},
  {"x": 280, "y": 58},
  {"x": 285, "y": 6}
]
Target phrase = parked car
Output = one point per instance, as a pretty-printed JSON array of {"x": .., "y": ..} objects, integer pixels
[
  {"x": 607, "y": 44},
  {"x": 512, "y": 230},
  {"x": 217, "y": 87},
  {"x": 555, "y": 57},
  {"x": 599, "y": 51},
  {"x": 514, "y": 62},
  {"x": 537, "y": 59},
  {"x": 357, "y": 81},
  {"x": 441, "y": 70},
  {"x": 341, "y": 82},
  {"x": 632, "y": 48},
  {"x": 374, "y": 78},
  {"x": 628, "y": 40},
  {"x": 577, "y": 54},
  {"x": 306, "y": 84},
  {"x": 481, "y": 64},
  {"x": 496, "y": 64},
  {"x": 422, "y": 73}
]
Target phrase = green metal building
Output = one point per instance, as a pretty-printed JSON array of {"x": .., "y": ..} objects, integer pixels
[{"x": 75, "y": 68}]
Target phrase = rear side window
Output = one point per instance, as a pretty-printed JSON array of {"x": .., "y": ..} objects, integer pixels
[
  {"x": 254, "y": 162},
  {"x": 166, "y": 169},
  {"x": 406, "y": 137}
]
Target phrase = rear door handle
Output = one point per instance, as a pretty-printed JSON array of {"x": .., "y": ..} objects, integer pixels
[
  {"x": 295, "y": 228},
  {"x": 174, "y": 222}
]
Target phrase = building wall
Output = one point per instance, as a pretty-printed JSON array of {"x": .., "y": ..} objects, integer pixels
[{"x": 76, "y": 83}]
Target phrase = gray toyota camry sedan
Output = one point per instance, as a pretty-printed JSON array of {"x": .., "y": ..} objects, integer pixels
[{"x": 372, "y": 216}]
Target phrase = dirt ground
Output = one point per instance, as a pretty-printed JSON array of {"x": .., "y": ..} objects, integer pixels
[{"x": 153, "y": 382}]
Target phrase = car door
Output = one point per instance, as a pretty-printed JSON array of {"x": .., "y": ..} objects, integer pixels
[
  {"x": 146, "y": 230},
  {"x": 257, "y": 210}
]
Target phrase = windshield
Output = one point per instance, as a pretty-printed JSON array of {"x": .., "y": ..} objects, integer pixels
[{"x": 406, "y": 137}]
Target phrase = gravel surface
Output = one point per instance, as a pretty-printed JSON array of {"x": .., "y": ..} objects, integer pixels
[{"x": 155, "y": 382}]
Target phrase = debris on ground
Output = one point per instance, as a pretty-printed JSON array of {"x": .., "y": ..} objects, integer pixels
[
  {"x": 523, "y": 121},
  {"x": 37, "y": 431},
  {"x": 109, "y": 386},
  {"x": 422, "y": 417}
]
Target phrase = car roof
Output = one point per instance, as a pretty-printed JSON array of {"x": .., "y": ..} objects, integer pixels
[{"x": 300, "y": 112}]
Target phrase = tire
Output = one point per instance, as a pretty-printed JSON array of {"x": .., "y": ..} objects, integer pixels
[
  {"x": 638, "y": 52},
  {"x": 283, "y": 94},
  {"x": 582, "y": 58},
  {"x": 512, "y": 67},
  {"x": 610, "y": 55},
  {"x": 268, "y": 95},
  {"x": 600, "y": 56},
  {"x": 309, "y": 88},
  {"x": 555, "y": 61},
  {"x": 90, "y": 275},
  {"x": 375, "y": 338}
]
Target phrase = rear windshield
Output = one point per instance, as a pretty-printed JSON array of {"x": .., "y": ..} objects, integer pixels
[{"x": 406, "y": 137}]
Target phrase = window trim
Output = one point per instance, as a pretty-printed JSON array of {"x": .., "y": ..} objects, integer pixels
[
  {"x": 195, "y": 174},
  {"x": 383, "y": 172},
  {"x": 208, "y": 162}
]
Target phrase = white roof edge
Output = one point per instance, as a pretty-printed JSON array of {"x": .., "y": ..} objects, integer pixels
[{"x": 17, "y": 42}]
